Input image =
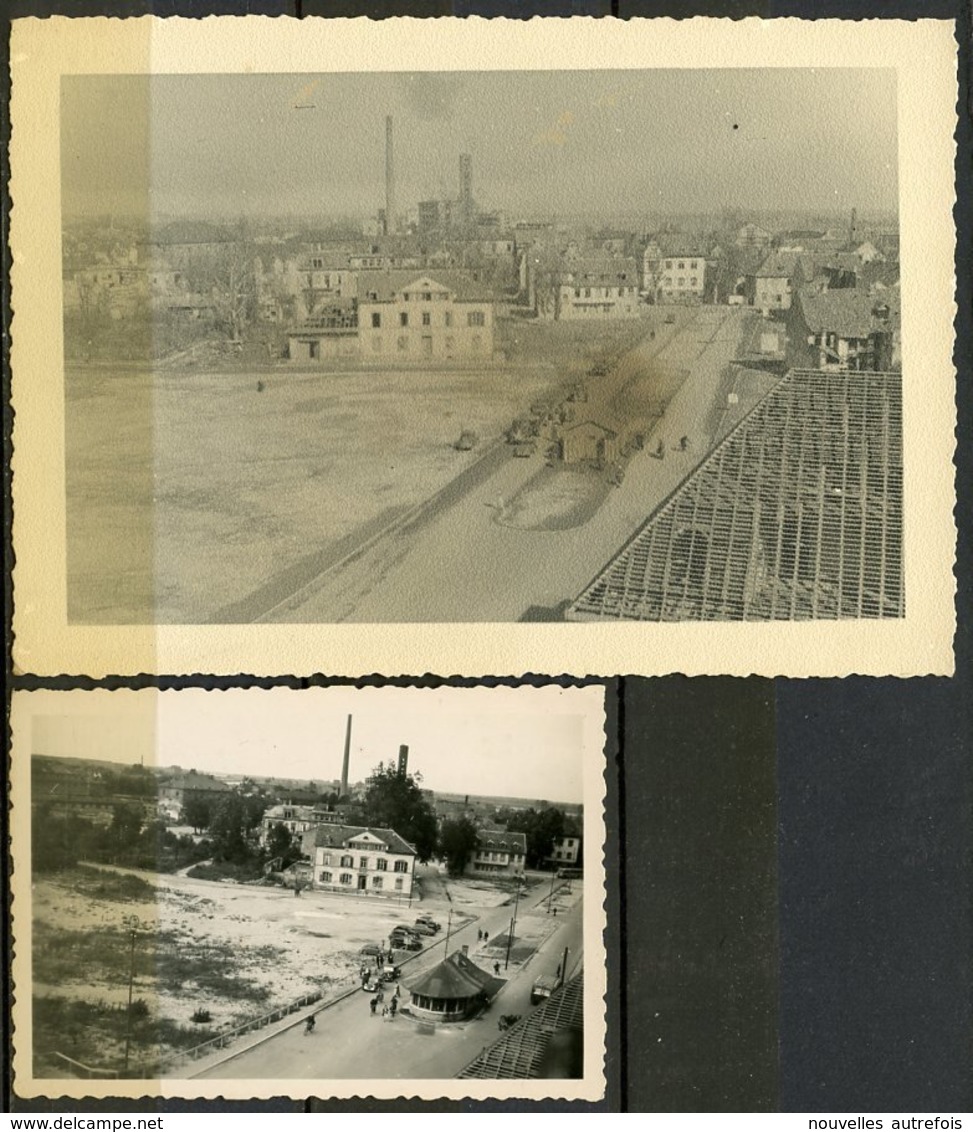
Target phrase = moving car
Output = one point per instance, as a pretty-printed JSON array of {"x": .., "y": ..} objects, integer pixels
[{"x": 543, "y": 988}]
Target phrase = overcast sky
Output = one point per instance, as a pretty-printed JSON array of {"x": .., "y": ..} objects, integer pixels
[
  {"x": 525, "y": 743},
  {"x": 604, "y": 141}
]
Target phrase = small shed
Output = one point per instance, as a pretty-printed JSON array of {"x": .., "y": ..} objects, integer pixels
[
  {"x": 589, "y": 441},
  {"x": 452, "y": 990}
]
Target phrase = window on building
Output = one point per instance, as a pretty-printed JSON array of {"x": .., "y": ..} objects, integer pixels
[
  {"x": 317, "y": 263},
  {"x": 475, "y": 318},
  {"x": 427, "y": 296},
  {"x": 682, "y": 281},
  {"x": 345, "y": 878},
  {"x": 401, "y": 866},
  {"x": 682, "y": 265},
  {"x": 376, "y": 882},
  {"x": 325, "y": 878},
  {"x": 382, "y": 865},
  {"x": 448, "y": 318},
  {"x": 363, "y": 862},
  {"x": 346, "y": 862},
  {"x": 376, "y": 319},
  {"x": 403, "y": 318},
  {"x": 669, "y": 263},
  {"x": 426, "y": 318},
  {"x": 398, "y": 884}
]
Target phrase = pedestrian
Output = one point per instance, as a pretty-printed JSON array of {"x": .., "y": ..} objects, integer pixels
[
  {"x": 486, "y": 936},
  {"x": 394, "y": 1005},
  {"x": 398, "y": 990},
  {"x": 479, "y": 935},
  {"x": 496, "y": 969},
  {"x": 309, "y": 1024},
  {"x": 555, "y": 911},
  {"x": 374, "y": 1004},
  {"x": 661, "y": 450},
  {"x": 683, "y": 443}
]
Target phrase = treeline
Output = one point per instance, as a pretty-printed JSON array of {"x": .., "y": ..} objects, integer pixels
[{"x": 60, "y": 842}]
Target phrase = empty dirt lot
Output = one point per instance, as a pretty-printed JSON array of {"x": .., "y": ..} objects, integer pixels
[{"x": 186, "y": 492}]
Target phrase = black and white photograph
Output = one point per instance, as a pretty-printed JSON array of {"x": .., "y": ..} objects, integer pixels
[
  {"x": 230, "y": 892},
  {"x": 362, "y": 343},
  {"x": 581, "y": 353}
]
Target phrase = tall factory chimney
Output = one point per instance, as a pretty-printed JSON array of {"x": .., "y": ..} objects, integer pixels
[
  {"x": 389, "y": 179},
  {"x": 403, "y": 760},
  {"x": 466, "y": 189},
  {"x": 343, "y": 792}
]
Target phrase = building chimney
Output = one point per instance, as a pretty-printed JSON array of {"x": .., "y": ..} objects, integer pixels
[
  {"x": 389, "y": 179},
  {"x": 403, "y": 760},
  {"x": 343, "y": 790},
  {"x": 852, "y": 237}
]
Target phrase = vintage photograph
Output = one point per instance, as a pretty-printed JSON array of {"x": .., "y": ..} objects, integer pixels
[
  {"x": 582, "y": 357},
  {"x": 226, "y": 893},
  {"x": 336, "y": 345}
]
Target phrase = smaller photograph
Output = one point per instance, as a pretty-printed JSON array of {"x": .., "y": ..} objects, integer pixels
[{"x": 318, "y": 892}]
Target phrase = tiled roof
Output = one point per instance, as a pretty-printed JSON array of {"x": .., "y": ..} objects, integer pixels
[
  {"x": 502, "y": 841},
  {"x": 600, "y": 269},
  {"x": 795, "y": 515},
  {"x": 848, "y": 312},
  {"x": 337, "y": 837},
  {"x": 195, "y": 782},
  {"x": 522, "y": 1052},
  {"x": 457, "y": 976},
  {"x": 388, "y": 283},
  {"x": 779, "y": 265}
]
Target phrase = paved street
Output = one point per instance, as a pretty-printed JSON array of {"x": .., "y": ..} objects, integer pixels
[
  {"x": 464, "y": 564},
  {"x": 351, "y": 1043}
]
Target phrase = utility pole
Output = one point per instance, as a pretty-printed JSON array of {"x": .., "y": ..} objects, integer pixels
[
  {"x": 133, "y": 924},
  {"x": 550, "y": 898},
  {"x": 513, "y": 924},
  {"x": 449, "y": 925},
  {"x": 563, "y": 969}
]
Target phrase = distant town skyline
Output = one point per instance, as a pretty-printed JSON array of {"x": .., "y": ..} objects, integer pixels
[
  {"x": 527, "y": 743},
  {"x": 556, "y": 141}
]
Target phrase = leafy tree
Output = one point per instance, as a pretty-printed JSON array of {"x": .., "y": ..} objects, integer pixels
[
  {"x": 282, "y": 845},
  {"x": 123, "y": 833},
  {"x": 229, "y": 828},
  {"x": 395, "y": 801},
  {"x": 542, "y": 829},
  {"x": 457, "y": 841},
  {"x": 197, "y": 812}
]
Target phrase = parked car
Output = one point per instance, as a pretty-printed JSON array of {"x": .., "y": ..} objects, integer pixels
[
  {"x": 406, "y": 939},
  {"x": 391, "y": 972},
  {"x": 429, "y": 922},
  {"x": 371, "y": 982},
  {"x": 370, "y": 950},
  {"x": 423, "y": 929}
]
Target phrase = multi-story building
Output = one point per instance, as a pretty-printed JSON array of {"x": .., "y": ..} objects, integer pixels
[
  {"x": 408, "y": 319},
  {"x": 772, "y": 285},
  {"x": 598, "y": 288},
  {"x": 361, "y": 860},
  {"x": 498, "y": 853},
  {"x": 175, "y": 792},
  {"x": 297, "y": 820},
  {"x": 566, "y": 851}
]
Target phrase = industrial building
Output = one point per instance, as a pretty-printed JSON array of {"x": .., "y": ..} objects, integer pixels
[{"x": 795, "y": 515}]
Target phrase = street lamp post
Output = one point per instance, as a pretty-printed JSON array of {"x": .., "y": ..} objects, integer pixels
[
  {"x": 449, "y": 925},
  {"x": 550, "y": 899},
  {"x": 133, "y": 924},
  {"x": 513, "y": 924}
]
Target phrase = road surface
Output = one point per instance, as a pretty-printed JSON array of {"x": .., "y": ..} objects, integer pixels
[
  {"x": 349, "y": 1042},
  {"x": 462, "y": 563}
]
